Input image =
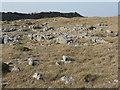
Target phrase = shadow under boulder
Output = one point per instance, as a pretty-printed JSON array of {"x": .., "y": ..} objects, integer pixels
[{"x": 5, "y": 68}]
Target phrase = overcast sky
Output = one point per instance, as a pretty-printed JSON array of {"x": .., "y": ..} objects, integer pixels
[{"x": 102, "y": 9}]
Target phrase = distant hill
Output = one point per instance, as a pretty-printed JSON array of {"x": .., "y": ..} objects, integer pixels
[{"x": 9, "y": 16}]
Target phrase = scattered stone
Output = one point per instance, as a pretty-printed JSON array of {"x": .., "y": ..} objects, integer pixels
[
  {"x": 59, "y": 63},
  {"x": 23, "y": 30},
  {"x": 48, "y": 28},
  {"x": 102, "y": 24},
  {"x": 68, "y": 80},
  {"x": 14, "y": 68},
  {"x": 6, "y": 39},
  {"x": 62, "y": 28},
  {"x": 51, "y": 88},
  {"x": 116, "y": 81},
  {"x": 14, "y": 24},
  {"x": 115, "y": 34},
  {"x": 7, "y": 63},
  {"x": 30, "y": 23},
  {"x": 38, "y": 76},
  {"x": 8, "y": 30},
  {"x": 18, "y": 60},
  {"x": 39, "y": 44},
  {"x": 44, "y": 24},
  {"x": 2, "y": 84},
  {"x": 97, "y": 39},
  {"x": 67, "y": 59},
  {"x": 40, "y": 37},
  {"x": 108, "y": 31},
  {"x": 9, "y": 38},
  {"x": 36, "y": 27},
  {"x": 30, "y": 36},
  {"x": 32, "y": 61},
  {"x": 63, "y": 40}
]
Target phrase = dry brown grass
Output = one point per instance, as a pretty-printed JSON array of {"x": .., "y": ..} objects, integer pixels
[{"x": 97, "y": 61}]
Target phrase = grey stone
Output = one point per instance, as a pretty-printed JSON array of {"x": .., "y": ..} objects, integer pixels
[
  {"x": 39, "y": 44},
  {"x": 102, "y": 24},
  {"x": 67, "y": 59},
  {"x": 97, "y": 39},
  {"x": 14, "y": 25},
  {"x": 23, "y": 30},
  {"x": 30, "y": 36},
  {"x": 48, "y": 28},
  {"x": 68, "y": 80},
  {"x": 108, "y": 31},
  {"x": 9, "y": 38},
  {"x": 32, "y": 61},
  {"x": 38, "y": 76},
  {"x": 9, "y": 30},
  {"x": 40, "y": 37},
  {"x": 59, "y": 63},
  {"x": 115, "y": 34},
  {"x": 3, "y": 84},
  {"x": 62, "y": 28},
  {"x": 63, "y": 40},
  {"x": 6, "y": 39},
  {"x": 30, "y": 23},
  {"x": 7, "y": 63},
  {"x": 44, "y": 24},
  {"x": 13, "y": 68},
  {"x": 18, "y": 60},
  {"x": 51, "y": 88}
]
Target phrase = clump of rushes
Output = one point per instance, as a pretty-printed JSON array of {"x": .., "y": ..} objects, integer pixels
[
  {"x": 21, "y": 48},
  {"x": 90, "y": 78}
]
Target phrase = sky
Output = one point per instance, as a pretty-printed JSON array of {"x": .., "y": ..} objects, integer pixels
[
  {"x": 89, "y": 9},
  {"x": 60, "y": 0}
]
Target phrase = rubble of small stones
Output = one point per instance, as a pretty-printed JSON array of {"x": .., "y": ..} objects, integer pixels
[
  {"x": 8, "y": 30},
  {"x": 67, "y": 38},
  {"x": 9, "y": 38},
  {"x": 58, "y": 35},
  {"x": 40, "y": 37}
]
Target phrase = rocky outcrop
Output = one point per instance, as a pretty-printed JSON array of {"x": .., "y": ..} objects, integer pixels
[{"x": 9, "y": 16}]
